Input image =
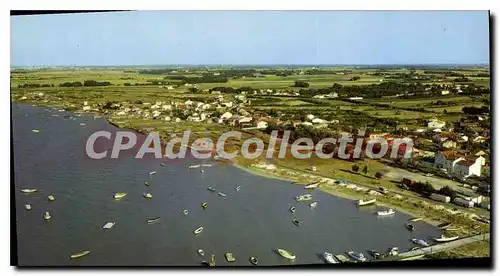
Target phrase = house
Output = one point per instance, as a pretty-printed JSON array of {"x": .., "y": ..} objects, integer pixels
[
  {"x": 445, "y": 92},
  {"x": 226, "y": 116},
  {"x": 310, "y": 117},
  {"x": 435, "y": 123},
  {"x": 262, "y": 124},
  {"x": 319, "y": 121},
  {"x": 462, "y": 166},
  {"x": 355, "y": 98},
  {"x": 447, "y": 160},
  {"x": 479, "y": 139},
  {"x": 450, "y": 144},
  {"x": 228, "y": 104}
]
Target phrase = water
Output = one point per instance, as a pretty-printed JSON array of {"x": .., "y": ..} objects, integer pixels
[{"x": 252, "y": 222}]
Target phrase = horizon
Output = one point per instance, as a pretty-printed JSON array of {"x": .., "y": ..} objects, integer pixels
[{"x": 251, "y": 38}]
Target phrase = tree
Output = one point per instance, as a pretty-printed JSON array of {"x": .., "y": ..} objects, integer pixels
[
  {"x": 193, "y": 89},
  {"x": 299, "y": 83},
  {"x": 365, "y": 169},
  {"x": 447, "y": 191},
  {"x": 378, "y": 175},
  {"x": 355, "y": 78},
  {"x": 355, "y": 168},
  {"x": 445, "y": 111}
]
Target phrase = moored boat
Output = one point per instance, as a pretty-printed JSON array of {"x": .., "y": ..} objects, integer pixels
[
  {"x": 28, "y": 191},
  {"x": 292, "y": 209},
  {"x": 153, "y": 220},
  {"x": 47, "y": 216},
  {"x": 51, "y": 198},
  {"x": 230, "y": 257},
  {"x": 386, "y": 213},
  {"x": 375, "y": 254},
  {"x": 119, "y": 195},
  {"x": 27, "y": 207},
  {"x": 147, "y": 195},
  {"x": 238, "y": 188},
  {"x": 303, "y": 197},
  {"x": 201, "y": 252},
  {"x": 153, "y": 172},
  {"x": 285, "y": 254},
  {"x": 204, "y": 205},
  {"x": 206, "y": 165},
  {"x": 358, "y": 256},
  {"x": 194, "y": 166},
  {"x": 445, "y": 239},
  {"x": 254, "y": 260},
  {"x": 419, "y": 242},
  {"x": 410, "y": 226},
  {"x": 163, "y": 164},
  {"x": 415, "y": 219},
  {"x": 212, "y": 189},
  {"x": 394, "y": 251},
  {"x": 79, "y": 254},
  {"x": 296, "y": 222},
  {"x": 363, "y": 202},
  {"x": 198, "y": 230},
  {"x": 35, "y": 130},
  {"x": 185, "y": 212},
  {"x": 329, "y": 258},
  {"x": 109, "y": 225},
  {"x": 313, "y": 205},
  {"x": 221, "y": 194},
  {"x": 312, "y": 186},
  {"x": 212, "y": 261}
]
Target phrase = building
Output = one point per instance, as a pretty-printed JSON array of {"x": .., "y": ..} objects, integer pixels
[
  {"x": 462, "y": 166},
  {"x": 226, "y": 116},
  {"x": 450, "y": 144},
  {"x": 435, "y": 123}
]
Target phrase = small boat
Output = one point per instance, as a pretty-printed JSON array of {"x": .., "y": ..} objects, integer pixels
[
  {"x": 202, "y": 171},
  {"x": 414, "y": 248},
  {"x": 444, "y": 225},
  {"x": 201, "y": 252},
  {"x": 147, "y": 195},
  {"x": 193, "y": 166},
  {"x": 375, "y": 254},
  {"x": 185, "y": 212},
  {"x": 341, "y": 258},
  {"x": 212, "y": 189},
  {"x": 119, "y": 195},
  {"x": 82, "y": 124},
  {"x": 146, "y": 183},
  {"x": 386, "y": 213},
  {"x": 221, "y": 194},
  {"x": 109, "y": 225},
  {"x": 394, "y": 251},
  {"x": 292, "y": 209},
  {"x": 230, "y": 257},
  {"x": 303, "y": 197},
  {"x": 204, "y": 205},
  {"x": 410, "y": 226},
  {"x": 296, "y": 222},
  {"x": 329, "y": 258},
  {"x": 79, "y": 254},
  {"x": 285, "y": 254},
  {"x": 151, "y": 173},
  {"x": 419, "y": 242},
  {"x": 28, "y": 191},
  {"x": 51, "y": 198},
  {"x": 254, "y": 260},
  {"x": 35, "y": 130},
  {"x": 313, "y": 205},
  {"x": 27, "y": 207},
  {"x": 238, "y": 188},
  {"x": 357, "y": 256},
  {"x": 363, "y": 202},
  {"x": 445, "y": 239},
  {"x": 206, "y": 165},
  {"x": 312, "y": 186},
  {"x": 163, "y": 164},
  {"x": 153, "y": 220},
  {"x": 198, "y": 230},
  {"x": 47, "y": 216},
  {"x": 415, "y": 219},
  {"x": 212, "y": 261}
]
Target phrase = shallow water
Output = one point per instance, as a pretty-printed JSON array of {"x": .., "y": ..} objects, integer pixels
[{"x": 252, "y": 222}]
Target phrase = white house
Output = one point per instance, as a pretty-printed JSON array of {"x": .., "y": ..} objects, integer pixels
[
  {"x": 319, "y": 121},
  {"x": 226, "y": 116},
  {"x": 465, "y": 168},
  {"x": 167, "y": 107},
  {"x": 262, "y": 124},
  {"x": 450, "y": 144},
  {"x": 459, "y": 165},
  {"x": 445, "y": 92},
  {"x": 355, "y": 98},
  {"x": 310, "y": 117},
  {"x": 435, "y": 123}
]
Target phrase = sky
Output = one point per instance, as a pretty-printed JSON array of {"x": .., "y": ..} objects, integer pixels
[{"x": 251, "y": 37}]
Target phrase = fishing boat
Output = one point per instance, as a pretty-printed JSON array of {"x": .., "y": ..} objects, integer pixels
[
  {"x": 201, "y": 252},
  {"x": 254, "y": 260},
  {"x": 185, "y": 212},
  {"x": 385, "y": 213},
  {"x": 35, "y": 130},
  {"x": 358, "y": 256},
  {"x": 212, "y": 189},
  {"x": 28, "y": 191},
  {"x": 444, "y": 225},
  {"x": 151, "y": 173},
  {"x": 394, "y": 251},
  {"x": 410, "y": 226},
  {"x": 296, "y": 222},
  {"x": 204, "y": 205},
  {"x": 147, "y": 195},
  {"x": 415, "y": 219},
  {"x": 313, "y": 205},
  {"x": 303, "y": 197},
  {"x": 285, "y": 254},
  {"x": 193, "y": 166},
  {"x": 419, "y": 242},
  {"x": 375, "y": 254},
  {"x": 363, "y": 202},
  {"x": 312, "y": 186},
  {"x": 27, "y": 207},
  {"x": 119, "y": 195},
  {"x": 292, "y": 209},
  {"x": 153, "y": 220},
  {"x": 221, "y": 194},
  {"x": 79, "y": 254},
  {"x": 109, "y": 225},
  {"x": 238, "y": 188},
  {"x": 47, "y": 216},
  {"x": 445, "y": 239},
  {"x": 206, "y": 165},
  {"x": 198, "y": 230},
  {"x": 230, "y": 257},
  {"x": 51, "y": 198},
  {"x": 329, "y": 258}
]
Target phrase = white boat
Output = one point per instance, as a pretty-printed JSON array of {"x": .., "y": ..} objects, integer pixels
[
  {"x": 230, "y": 257},
  {"x": 119, "y": 195},
  {"x": 109, "y": 225},
  {"x": 329, "y": 258},
  {"x": 47, "y": 216},
  {"x": 285, "y": 254},
  {"x": 292, "y": 209},
  {"x": 82, "y": 124},
  {"x": 363, "y": 202},
  {"x": 386, "y": 213},
  {"x": 51, "y": 198},
  {"x": 28, "y": 191},
  {"x": 151, "y": 173},
  {"x": 27, "y": 207},
  {"x": 153, "y": 220},
  {"x": 198, "y": 230},
  {"x": 313, "y": 205},
  {"x": 222, "y": 194},
  {"x": 238, "y": 188},
  {"x": 312, "y": 186},
  {"x": 79, "y": 254},
  {"x": 303, "y": 197},
  {"x": 206, "y": 165},
  {"x": 194, "y": 166},
  {"x": 147, "y": 195},
  {"x": 357, "y": 256},
  {"x": 185, "y": 212},
  {"x": 419, "y": 242},
  {"x": 35, "y": 130},
  {"x": 201, "y": 252},
  {"x": 445, "y": 239},
  {"x": 394, "y": 251},
  {"x": 163, "y": 164}
]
